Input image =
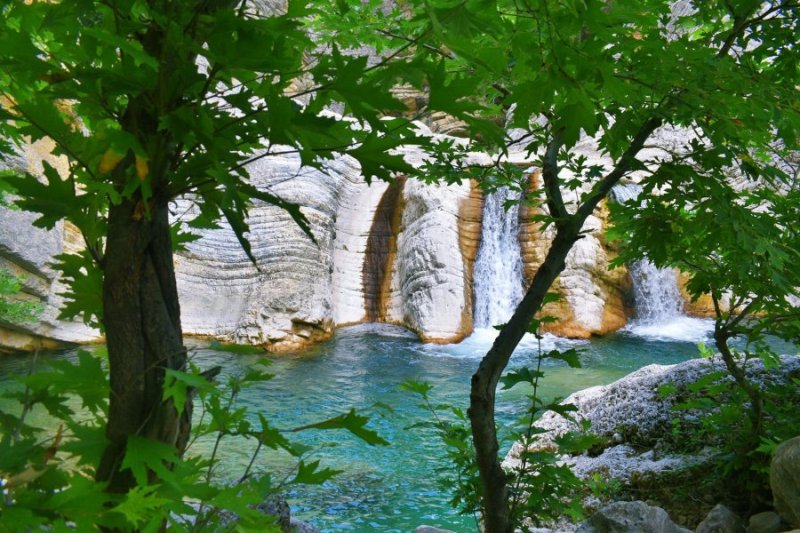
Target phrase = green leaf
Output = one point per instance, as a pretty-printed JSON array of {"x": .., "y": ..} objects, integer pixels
[
  {"x": 570, "y": 356},
  {"x": 375, "y": 159},
  {"x": 291, "y": 208},
  {"x": 142, "y": 505},
  {"x": 523, "y": 375},
  {"x": 575, "y": 443},
  {"x": 143, "y": 455},
  {"x": 131, "y": 47},
  {"x": 178, "y": 384},
  {"x": 84, "y": 295},
  {"x": 273, "y": 438},
  {"x": 54, "y": 200},
  {"x": 85, "y": 378},
  {"x": 237, "y": 223},
  {"x": 421, "y": 388},
  {"x": 311, "y": 474},
  {"x": 352, "y": 422},
  {"x": 88, "y": 444},
  {"x": 563, "y": 409}
]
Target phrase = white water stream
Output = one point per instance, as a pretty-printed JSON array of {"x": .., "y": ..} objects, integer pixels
[
  {"x": 657, "y": 298},
  {"x": 497, "y": 272}
]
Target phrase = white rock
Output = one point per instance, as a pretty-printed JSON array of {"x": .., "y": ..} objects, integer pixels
[{"x": 429, "y": 282}]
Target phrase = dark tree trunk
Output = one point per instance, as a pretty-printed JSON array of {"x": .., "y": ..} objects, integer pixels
[
  {"x": 496, "y": 511},
  {"x": 756, "y": 410},
  {"x": 484, "y": 384},
  {"x": 141, "y": 315}
]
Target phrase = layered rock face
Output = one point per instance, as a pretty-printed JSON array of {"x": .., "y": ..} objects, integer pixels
[
  {"x": 401, "y": 253},
  {"x": 287, "y": 301},
  {"x": 383, "y": 252},
  {"x": 27, "y": 252}
]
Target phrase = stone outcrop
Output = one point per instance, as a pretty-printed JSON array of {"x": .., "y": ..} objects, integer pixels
[
  {"x": 721, "y": 520},
  {"x": 634, "y": 421},
  {"x": 27, "y": 252},
  {"x": 626, "y": 517},
  {"x": 784, "y": 479},
  {"x": 391, "y": 253},
  {"x": 286, "y": 301},
  {"x": 401, "y": 253},
  {"x": 632, "y": 409},
  {"x": 766, "y": 522}
]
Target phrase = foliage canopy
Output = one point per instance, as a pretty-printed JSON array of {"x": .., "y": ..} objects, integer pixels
[{"x": 151, "y": 100}]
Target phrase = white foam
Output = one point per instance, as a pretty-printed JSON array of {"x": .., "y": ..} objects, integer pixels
[
  {"x": 476, "y": 345},
  {"x": 678, "y": 328}
]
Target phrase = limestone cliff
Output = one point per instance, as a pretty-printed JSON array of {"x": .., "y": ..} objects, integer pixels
[
  {"x": 430, "y": 285},
  {"x": 27, "y": 252},
  {"x": 385, "y": 252},
  {"x": 288, "y": 300},
  {"x": 401, "y": 253}
]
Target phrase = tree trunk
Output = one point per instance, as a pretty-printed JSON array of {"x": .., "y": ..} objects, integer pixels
[
  {"x": 484, "y": 384},
  {"x": 756, "y": 410},
  {"x": 496, "y": 513},
  {"x": 141, "y": 315}
]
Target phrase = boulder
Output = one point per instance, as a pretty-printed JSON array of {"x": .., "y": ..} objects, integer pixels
[
  {"x": 784, "y": 479},
  {"x": 278, "y": 507},
  {"x": 766, "y": 522},
  {"x": 626, "y": 517},
  {"x": 721, "y": 520}
]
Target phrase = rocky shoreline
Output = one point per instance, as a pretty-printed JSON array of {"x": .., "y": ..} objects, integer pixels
[
  {"x": 634, "y": 420},
  {"x": 634, "y": 417}
]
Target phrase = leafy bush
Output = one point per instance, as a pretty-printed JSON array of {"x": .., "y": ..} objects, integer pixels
[
  {"x": 12, "y": 308},
  {"x": 47, "y": 473},
  {"x": 720, "y": 418}
]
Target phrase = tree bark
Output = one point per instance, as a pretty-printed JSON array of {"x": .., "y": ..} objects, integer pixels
[
  {"x": 141, "y": 316},
  {"x": 484, "y": 384}
]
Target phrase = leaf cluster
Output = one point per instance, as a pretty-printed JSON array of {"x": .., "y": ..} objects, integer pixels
[
  {"x": 13, "y": 309},
  {"x": 47, "y": 472}
]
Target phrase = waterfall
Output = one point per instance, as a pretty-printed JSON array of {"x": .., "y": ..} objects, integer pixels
[
  {"x": 497, "y": 272},
  {"x": 655, "y": 290}
]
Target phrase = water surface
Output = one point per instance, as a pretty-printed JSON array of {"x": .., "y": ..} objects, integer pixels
[{"x": 396, "y": 487}]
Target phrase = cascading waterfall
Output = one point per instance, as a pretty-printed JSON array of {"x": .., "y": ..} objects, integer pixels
[
  {"x": 655, "y": 290},
  {"x": 497, "y": 272},
  {"x": 659, "y": 305}
]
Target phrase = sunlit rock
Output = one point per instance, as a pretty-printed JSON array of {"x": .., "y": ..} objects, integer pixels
[
  {"x": 27, "y": 252},
  {"x": 429, "y": 290},
  {"x": 625, "y": 517}
]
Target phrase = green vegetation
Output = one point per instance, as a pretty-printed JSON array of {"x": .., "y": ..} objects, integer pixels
[
  {"x": 148, "y": 101},
  {"x": 721, "y": 419},
  {"x": 724, "y": 74},
  {"x": 47, "y": 473},
  {"x": 543, "y": 488},
  {"x": 152, "y": 100},
  {"x": 13, "y": 309}
]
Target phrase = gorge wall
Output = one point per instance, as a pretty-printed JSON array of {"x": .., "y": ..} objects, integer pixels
[
  {"x": 27, "y": 252},
  {"x": 402, "y": 253}
]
